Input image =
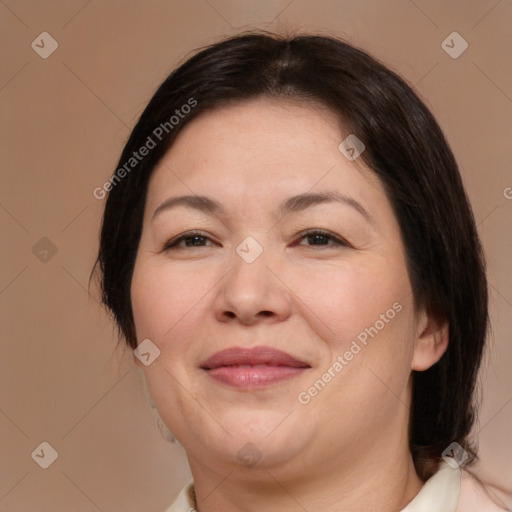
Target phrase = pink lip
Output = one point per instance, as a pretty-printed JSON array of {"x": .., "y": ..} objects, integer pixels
[{"x": 251, "y": 368}]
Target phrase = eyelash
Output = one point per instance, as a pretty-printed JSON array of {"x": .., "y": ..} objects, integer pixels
[{"x": 173, "y": 244}]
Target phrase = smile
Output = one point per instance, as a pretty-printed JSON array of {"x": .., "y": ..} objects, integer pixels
[{"x": 253, "y": 368}]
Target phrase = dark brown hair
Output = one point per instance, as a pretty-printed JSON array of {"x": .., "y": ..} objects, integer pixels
[{"x": 405, "y": 148}]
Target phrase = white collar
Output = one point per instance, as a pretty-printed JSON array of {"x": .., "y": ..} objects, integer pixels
[{"x": 440, "y": 493}]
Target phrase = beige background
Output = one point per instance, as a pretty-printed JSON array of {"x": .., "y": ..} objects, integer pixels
[{"x": 64, "y": 122}]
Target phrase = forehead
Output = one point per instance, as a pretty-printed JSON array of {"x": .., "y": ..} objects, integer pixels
[
  {"x": 261, "y": 149},
  {"x": 260, "y": 125}
]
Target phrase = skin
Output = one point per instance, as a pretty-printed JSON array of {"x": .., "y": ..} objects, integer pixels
[{"x": 347, "y": 449}]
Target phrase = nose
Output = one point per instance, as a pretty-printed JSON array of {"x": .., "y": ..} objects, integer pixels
[{"x": 253, "y": 292}]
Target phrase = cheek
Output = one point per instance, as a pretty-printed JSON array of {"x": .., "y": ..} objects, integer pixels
[
  {"x": 364, "y": 316},
  {"x": 350, "y": 298},
  {"x": 162, "y": 298},
  {"x": 165, "y": 306}
]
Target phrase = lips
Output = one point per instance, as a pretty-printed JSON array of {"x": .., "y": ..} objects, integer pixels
[{"x": 252, "y": 368}]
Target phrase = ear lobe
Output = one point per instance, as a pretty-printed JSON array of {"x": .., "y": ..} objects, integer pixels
[{"x": 431, "y": 343}]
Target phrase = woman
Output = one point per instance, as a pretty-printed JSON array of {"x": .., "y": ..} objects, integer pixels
[{"x": 288, "y": 247}]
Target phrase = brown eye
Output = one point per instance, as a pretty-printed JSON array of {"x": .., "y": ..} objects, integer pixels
[
  {"x": 321, "y": 238},
  {"x": 191, "y": 239}
]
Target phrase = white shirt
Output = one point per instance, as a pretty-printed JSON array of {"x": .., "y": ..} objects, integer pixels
[{"x": 448, "y": 490}]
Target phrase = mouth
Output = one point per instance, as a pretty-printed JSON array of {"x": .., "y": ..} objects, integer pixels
[{"x": 252, "y": 368}]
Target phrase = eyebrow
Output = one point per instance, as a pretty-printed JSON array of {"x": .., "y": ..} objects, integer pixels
[{"x": 292, "y": 204}]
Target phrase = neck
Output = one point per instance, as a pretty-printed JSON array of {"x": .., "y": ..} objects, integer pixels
[{"x": 386, "y": 484}]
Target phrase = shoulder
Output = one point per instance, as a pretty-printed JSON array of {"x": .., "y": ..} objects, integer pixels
[{"x": 477, "y": 497}]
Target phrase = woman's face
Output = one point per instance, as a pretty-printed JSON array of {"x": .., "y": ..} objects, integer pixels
[{"x": 339, "y": 303}]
